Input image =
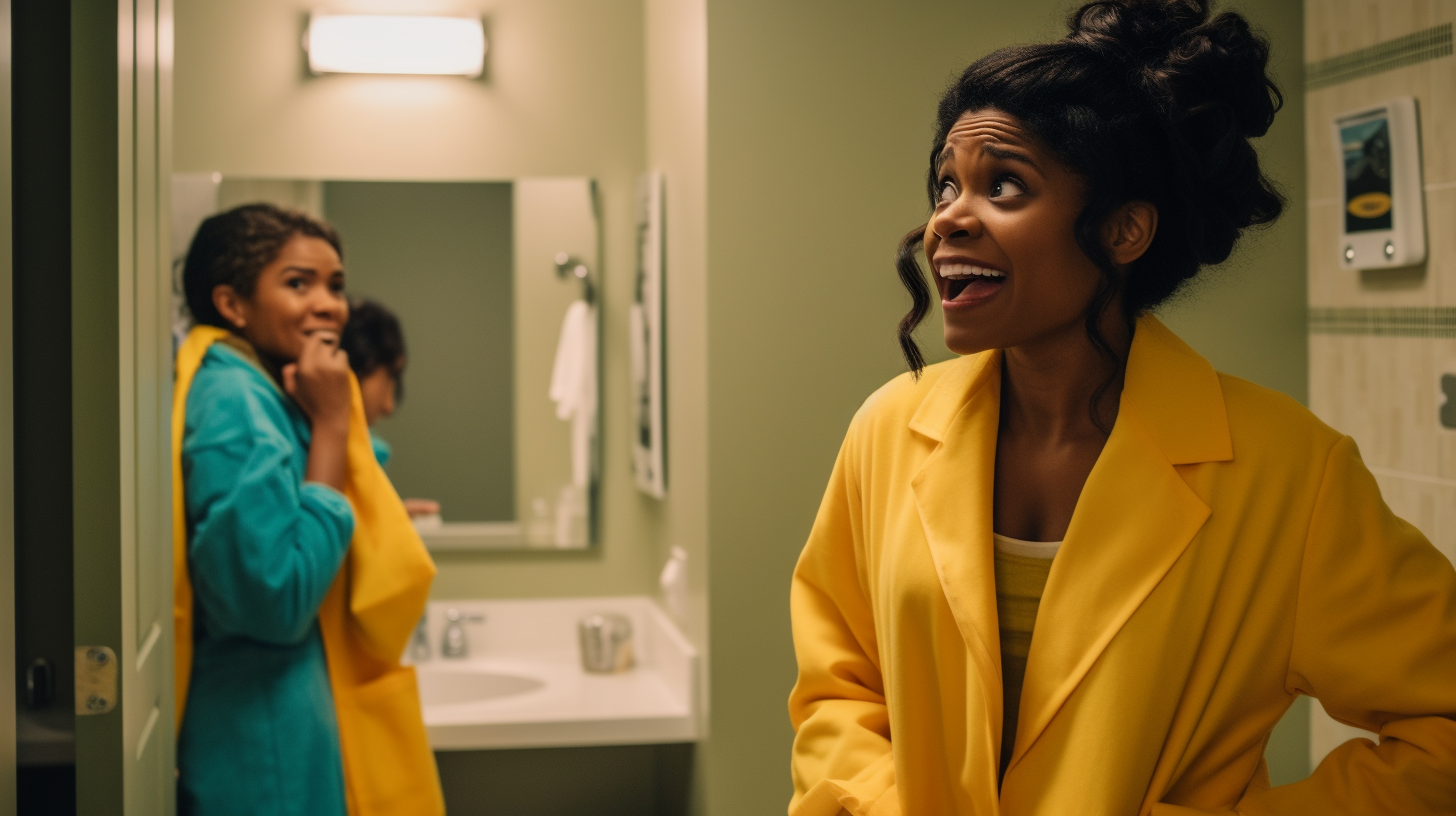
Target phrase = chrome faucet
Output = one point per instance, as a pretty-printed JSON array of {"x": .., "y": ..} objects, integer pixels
[
  {"x": 419, "y": 650},
  {"x": 454, "y": 643}
]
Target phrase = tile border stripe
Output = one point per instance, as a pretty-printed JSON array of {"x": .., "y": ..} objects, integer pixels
[
  {"x": 1406, "y": 321},
  {"x": 1427, "y": 44}
]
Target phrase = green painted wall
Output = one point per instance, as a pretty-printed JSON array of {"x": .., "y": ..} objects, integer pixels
[
  {"x": 819, "y": 120},
  {"x": 439, "y": 255},
  {"x": 1248, "y": 315}
]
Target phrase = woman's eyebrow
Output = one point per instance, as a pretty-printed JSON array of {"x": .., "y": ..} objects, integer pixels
[
  {"x": 309, "y": 270},
  {"x": 995, "y": 151},
  {"x": 946, "y": 153},
  {"x": 1009, "y": 155}
]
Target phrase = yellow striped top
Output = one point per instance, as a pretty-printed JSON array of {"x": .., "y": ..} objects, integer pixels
[{"x": 1022, "y": 568}]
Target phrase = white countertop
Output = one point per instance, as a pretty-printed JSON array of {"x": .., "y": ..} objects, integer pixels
[{"x": 527, "y": 642}]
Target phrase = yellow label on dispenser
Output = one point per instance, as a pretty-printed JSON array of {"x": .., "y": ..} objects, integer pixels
[{"x": 1369, "y": 205}]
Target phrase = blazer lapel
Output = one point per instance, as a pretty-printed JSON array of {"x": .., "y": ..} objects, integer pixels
[
  {"x": 953, "y": 496},
  {"x": 1134, "y": 518}
]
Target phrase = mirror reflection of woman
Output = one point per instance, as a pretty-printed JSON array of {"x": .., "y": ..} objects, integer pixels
[
  {"x": 1077, "y": 571},
  {"x": 279, "y": 493},
  {"x": 374, "y": 341}
]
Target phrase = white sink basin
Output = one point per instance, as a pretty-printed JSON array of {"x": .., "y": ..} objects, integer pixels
[
  {"x": 521, "y": 684},
  {"x": 447, "y": 685}
]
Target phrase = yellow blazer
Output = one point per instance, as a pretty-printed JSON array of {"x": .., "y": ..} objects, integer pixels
[
  {"x": 366, "y": 620},
  {"x": 1227, "y": 553}
]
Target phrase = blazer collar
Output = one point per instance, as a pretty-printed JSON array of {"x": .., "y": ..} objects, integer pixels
[
  {"x": 1178, "y": 396},
  {"x": 1174, "y": 389}
]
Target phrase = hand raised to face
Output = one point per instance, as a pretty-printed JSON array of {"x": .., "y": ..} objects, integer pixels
[{"x": 319, "y": 381}]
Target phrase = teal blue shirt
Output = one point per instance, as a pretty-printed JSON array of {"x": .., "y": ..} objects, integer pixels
[
  {"x": 382, "y": 450},
  {"x": 263, "y": 547}
]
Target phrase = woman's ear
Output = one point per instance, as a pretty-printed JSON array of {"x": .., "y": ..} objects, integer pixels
[
  {"x": 230, "y": 305},
  {"x": 1129, "y": 231}
]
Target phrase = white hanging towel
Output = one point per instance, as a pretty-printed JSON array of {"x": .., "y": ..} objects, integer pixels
[{"x": 574, "y": 385}]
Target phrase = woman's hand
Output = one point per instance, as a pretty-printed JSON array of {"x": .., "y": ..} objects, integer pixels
[
  {"x": 319, "y": 383},
  {"x": 421, "y": 507}
]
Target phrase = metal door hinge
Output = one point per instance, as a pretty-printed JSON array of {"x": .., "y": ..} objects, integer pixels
[{"x": 95, "y": 680}]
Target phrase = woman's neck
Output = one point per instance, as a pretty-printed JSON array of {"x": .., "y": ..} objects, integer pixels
[
  {"x": 271, "y": 366},
  {"x": 1048, "y": 388}
]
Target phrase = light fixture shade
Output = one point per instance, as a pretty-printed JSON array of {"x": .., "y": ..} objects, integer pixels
[{"x": 394, "y": 44}]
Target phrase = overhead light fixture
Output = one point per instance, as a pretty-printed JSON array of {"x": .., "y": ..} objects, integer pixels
[{"x": 394, "y": 44}]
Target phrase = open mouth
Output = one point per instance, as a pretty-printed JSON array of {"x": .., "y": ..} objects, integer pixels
[{"x": 966, "y": 283}]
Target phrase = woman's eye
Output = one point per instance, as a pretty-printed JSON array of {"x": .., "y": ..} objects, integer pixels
[
  {"x": 1007, "y": 187},
  {"x": 297, "y": 283},
  {"x": 947, "y": 193}
]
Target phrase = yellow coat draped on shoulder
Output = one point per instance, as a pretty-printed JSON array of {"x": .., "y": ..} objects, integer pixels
[
  {"x": 1227, "y": 553},
  {"x": 366, "y": 620}
]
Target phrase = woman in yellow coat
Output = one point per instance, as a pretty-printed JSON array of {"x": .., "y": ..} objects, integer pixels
[{"x": 1077, "y": 571}]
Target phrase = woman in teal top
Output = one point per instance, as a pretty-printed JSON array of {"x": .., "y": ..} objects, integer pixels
[{"x": 267, "y": 525}]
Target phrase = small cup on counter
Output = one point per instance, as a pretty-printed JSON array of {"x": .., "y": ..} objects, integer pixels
[{"x": 606, "y": 643}]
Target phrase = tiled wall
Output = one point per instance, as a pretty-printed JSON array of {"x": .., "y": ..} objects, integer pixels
[{"x": 1380, "y": 341}]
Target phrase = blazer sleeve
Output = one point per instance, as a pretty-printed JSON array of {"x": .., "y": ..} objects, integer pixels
[
  {"x": 264, "y": 547},
  {"x": 841, "y": 758},
  {"x": 1375, "y": 643}
]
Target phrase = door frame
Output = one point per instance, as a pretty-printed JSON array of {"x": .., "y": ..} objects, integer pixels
[{"x": 7, "y": 437}]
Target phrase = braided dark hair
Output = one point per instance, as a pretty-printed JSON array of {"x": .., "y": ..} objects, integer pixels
[
  {"x": 233, "y": 247},
  {"x": 1147, "y": 100}
]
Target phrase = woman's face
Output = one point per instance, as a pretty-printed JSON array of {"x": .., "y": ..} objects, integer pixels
[
  {"x": 377, "y": 389},
  {"x": 300, "y": 293},
  {"x": 1001, "y": 243}
]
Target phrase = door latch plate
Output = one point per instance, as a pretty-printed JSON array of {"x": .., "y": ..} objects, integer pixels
[{"x": 95, "y": 680}]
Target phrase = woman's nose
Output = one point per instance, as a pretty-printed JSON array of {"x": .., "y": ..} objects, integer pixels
[
  {"x": 956, "y": 218},
  {"x": 331, "y": 305}
]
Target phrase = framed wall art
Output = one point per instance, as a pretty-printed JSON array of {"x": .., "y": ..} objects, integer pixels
[{"x": 645, "y": 323}]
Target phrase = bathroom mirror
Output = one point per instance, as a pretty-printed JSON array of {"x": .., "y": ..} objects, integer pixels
[{"x": 494, "y": 283}]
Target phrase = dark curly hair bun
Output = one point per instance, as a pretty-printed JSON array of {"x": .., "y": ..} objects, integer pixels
[
  {"x": 1184, "y": 60},
  {"x": 1209, "y": 82},
  {"x": 1150, "y": 100}
]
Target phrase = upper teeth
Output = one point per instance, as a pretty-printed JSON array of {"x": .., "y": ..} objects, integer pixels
[{"x": 961, "y": 270}]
